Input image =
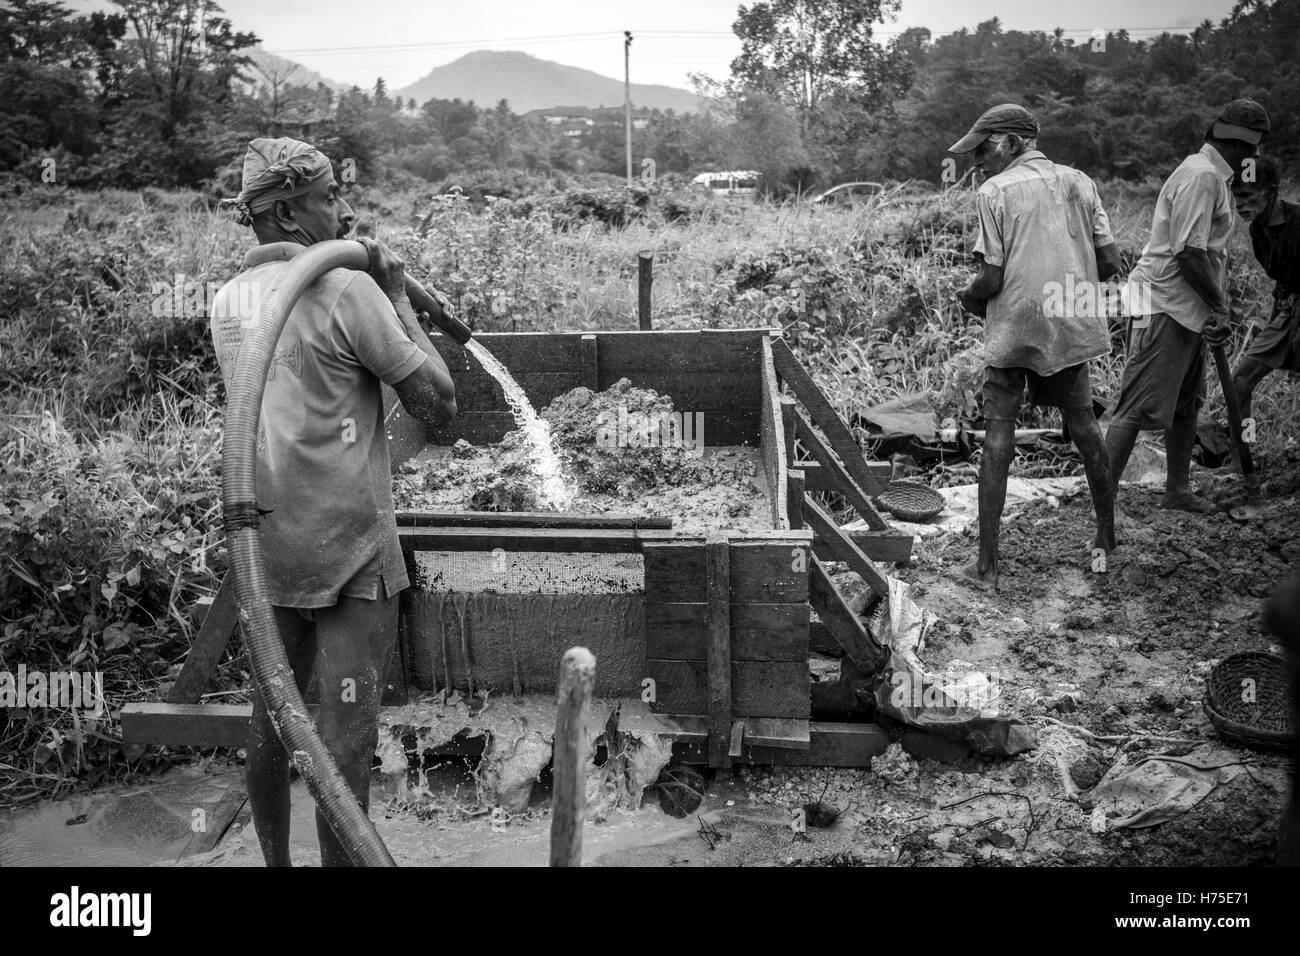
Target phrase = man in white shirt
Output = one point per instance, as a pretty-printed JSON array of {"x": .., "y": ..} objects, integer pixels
[{"x": 1183, "y": 274}]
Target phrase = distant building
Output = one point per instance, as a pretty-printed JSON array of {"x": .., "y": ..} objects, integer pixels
[{"x": 574, "y": 121}]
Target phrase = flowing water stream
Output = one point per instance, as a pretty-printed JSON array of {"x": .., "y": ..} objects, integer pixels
[{"x": 553, "y": 494}]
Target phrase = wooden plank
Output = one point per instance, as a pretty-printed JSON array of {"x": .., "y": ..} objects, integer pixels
[
  {"x": 788, "y": 409},
  {"x": 590, "y": 361},
  {"x": 209, "y": 646},
  {"x": 737, "y": 738},
  {"x": 605, "y": 540},
  {"x": 794, "y": 492},
  {"x": 720, "y": 350},
  {"x": 817, "y": 479},
  {"x": 775, "y": 689},
  {"x": 478, "y": 391},
  {"x": 772, "y": 441},
  {"x": 831, "y": 744},
  {"x": 789, "y": 734},
  {"x": 517, "y": 351},
  {"x": 718, "y": 588},
  {"x": 829, "y": 531},
  {"x": 822, "y": 413},
  {"x": 528, "y": 519},
  {"x": 845, "y": 626},
  {"x": 723, "y": 427},
  {"x": 218, "y": 821},
  {"x": 834, "y": 469},
  {"x": 770, "y": 571},
  {"x": 186, "y": 725},
  {"x": 759, "y": 632},
  {"x": 877, "y": 545}
]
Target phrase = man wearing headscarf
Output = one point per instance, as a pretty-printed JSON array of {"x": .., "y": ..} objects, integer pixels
[{"x": 334, "y": 564}]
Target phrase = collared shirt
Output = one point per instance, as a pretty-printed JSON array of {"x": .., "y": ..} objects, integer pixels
[
  {"x": 1194, "y": 209},
  {"x": 322, "y": 455},
  {"x": 1277, "y": 246},
  {"x": 1042, "y": 223}
]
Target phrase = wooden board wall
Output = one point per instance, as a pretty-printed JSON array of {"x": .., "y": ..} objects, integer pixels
[
  {"x": 715, "y": 372},
  {"x": 768, "y": 618}
]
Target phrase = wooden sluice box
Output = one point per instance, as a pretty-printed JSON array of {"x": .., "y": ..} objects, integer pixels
[{"x": 710, "y": 632}]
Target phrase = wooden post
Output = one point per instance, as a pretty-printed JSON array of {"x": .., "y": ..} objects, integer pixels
[
  {"x": 644, "y": 279},
  {"x": 717, "y": 572},
  {"x": 577, "y": 678}
]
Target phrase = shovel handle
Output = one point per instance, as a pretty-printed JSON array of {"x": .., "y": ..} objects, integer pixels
[{"x": 1234, "y": 416}]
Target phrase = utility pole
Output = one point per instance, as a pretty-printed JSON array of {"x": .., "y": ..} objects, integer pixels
[{"x": 627, "y": 100}]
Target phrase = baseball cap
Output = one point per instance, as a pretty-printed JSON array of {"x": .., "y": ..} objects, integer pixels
[
  {"x": 1006, "y": 118},
  {"x": 1242, "y": 119}
]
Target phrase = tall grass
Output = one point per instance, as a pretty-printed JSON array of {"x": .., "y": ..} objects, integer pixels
[{"x": 110, "y": 412}]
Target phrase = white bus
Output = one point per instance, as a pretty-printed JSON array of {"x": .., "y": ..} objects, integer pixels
[{"x": 734, "y": 182}]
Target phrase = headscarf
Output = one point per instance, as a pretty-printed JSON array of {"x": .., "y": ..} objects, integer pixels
[{"x": 276, "y": 169}]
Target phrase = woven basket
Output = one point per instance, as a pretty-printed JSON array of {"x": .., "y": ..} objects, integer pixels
[
  {"x": 911, "y": 502},
  {"x": 1267, "y": 720}
]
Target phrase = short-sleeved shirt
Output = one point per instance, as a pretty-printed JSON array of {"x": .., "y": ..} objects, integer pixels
[
  {"x": 1042, "y": 223},
  {"x": 1194, "y": 209},
  {"x": 322, "y": 456},
  {"x": 1276, "y": 242}
]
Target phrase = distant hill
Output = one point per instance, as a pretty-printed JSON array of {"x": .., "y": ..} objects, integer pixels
[
  {"x": 529, "y": 83},
  {"x": 267, "y": 64}
]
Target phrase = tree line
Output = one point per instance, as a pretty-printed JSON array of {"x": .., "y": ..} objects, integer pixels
[{"x": 167, "y": 92}]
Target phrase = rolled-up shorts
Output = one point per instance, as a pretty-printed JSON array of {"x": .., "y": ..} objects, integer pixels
[
  {"x": 1277, "y": 343},
  {"x": 1165, "y": 375},
  {"x": 1069, "y": 389}
]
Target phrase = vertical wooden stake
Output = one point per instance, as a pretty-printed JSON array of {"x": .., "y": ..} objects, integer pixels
[
  {"x": 577, "y": 678},
  {"x": 644, "y": 279},
  {"x": 717, "y": 570}
]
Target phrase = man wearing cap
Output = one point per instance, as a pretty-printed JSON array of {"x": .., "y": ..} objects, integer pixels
[
  {"x": 1183, "y": 274},
  {"x": 1275, "y": 237},
  {"x": 1042, "y": 229},
  {"x": 328, "y": 530}
]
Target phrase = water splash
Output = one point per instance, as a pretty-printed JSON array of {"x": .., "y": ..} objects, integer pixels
[{"x": 553, "y": 494}]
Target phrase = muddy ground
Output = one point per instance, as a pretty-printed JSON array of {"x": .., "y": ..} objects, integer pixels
[{"x": 1105, "y": 666}]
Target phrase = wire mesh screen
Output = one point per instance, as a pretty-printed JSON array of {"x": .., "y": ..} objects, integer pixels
[{"x": 529, "y": 572}]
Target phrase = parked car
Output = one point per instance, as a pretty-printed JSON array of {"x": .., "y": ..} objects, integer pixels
[{"x": 847, "y": 194}]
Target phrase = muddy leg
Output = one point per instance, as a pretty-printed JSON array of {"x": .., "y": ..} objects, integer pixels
[
  {"x": 267, "y": 768},
  {"x": 1087, "y": 438},
  {"x": 1120, "y": 440},
  {"x": 1180, "y": 438},
  {"x": 995, "y": 463},
  {"x": 354, "y": 638}
]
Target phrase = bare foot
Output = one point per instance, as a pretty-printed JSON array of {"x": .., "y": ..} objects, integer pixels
[
  {"x": 984, "y": 580},
  {"x": 1187, "y": 501}
]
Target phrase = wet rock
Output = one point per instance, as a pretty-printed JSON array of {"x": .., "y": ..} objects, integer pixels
[
  {"x": 894, "y": 766},
  {"x": 1087, "y": 771},
  {"x": 462, "y": 449}
]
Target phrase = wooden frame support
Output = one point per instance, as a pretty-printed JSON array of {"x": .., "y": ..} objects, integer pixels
[
  {"x": 774, "y": 443},
  {"x": 209, "y": 646},
  {"x": 842, "y": 546},
  {"x": 845, "y": 626},
  {"x": 834, "y": 469},
  {"x": 822, "y": 413},
  {"x": 718, "y": 584}
]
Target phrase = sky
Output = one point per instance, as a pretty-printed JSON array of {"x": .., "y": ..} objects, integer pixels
[{"x": 355, "y": 41}]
